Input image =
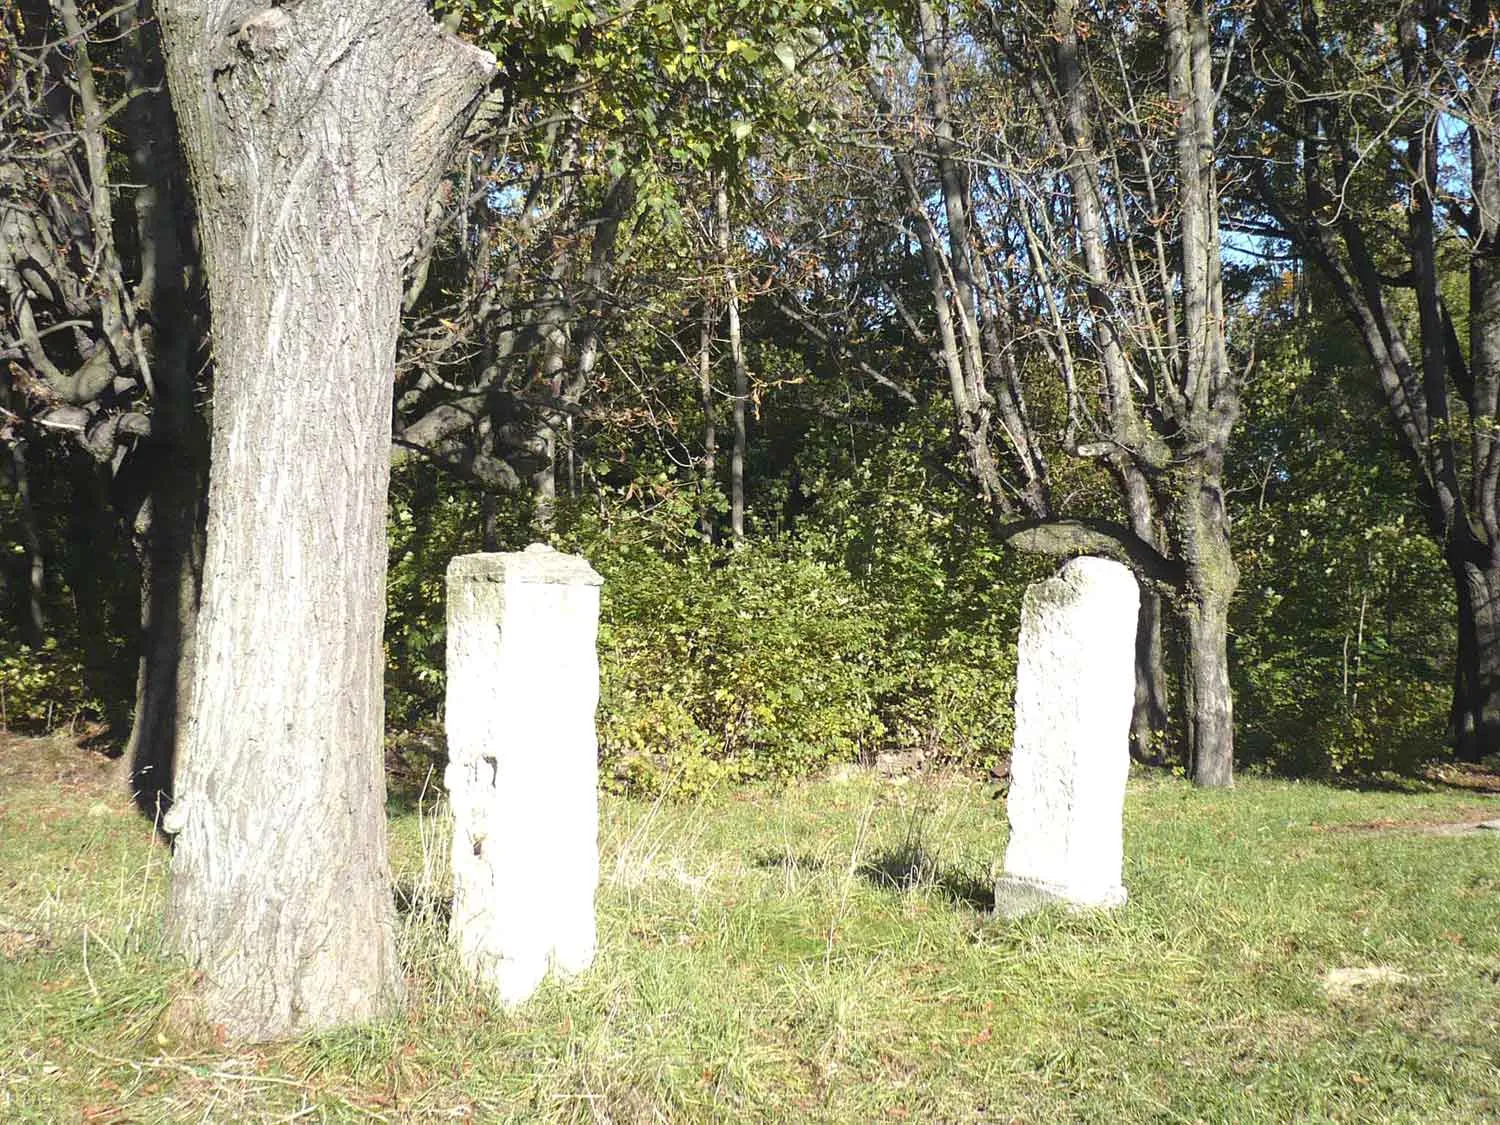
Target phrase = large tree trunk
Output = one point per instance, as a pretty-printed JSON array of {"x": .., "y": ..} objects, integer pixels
[
  {"x": 1210, "y": 405},
  {"x": 315, "y": 134},
  {"x": 1476, "y": 686},
  {"x": 1148, "y": 720},
  {"x": 1200, "y": 527},
  {"x": 1208, "y": 703}
]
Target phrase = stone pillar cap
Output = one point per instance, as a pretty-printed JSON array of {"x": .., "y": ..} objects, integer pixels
[
  {"x": 1098, "y": 570},
  {"x": 537, "y": 563}
]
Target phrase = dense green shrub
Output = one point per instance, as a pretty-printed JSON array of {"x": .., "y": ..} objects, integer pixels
[
  {"x": 44, "y": 688},
  {"x": 947, "y": 598},
  {"x": 1344, "y": 642},
  {"x": 431, "y": 519},
  {"x": 884, "y": 624},
  {"x": 732, "y": 665}
]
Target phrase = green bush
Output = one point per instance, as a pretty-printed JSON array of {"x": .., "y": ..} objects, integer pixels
[
  {"x": 732, "y": 665},
  {"x": 887, "y": 630},
  {"x": 947, "y": 598},
  {"x": 44, "y": 688}
]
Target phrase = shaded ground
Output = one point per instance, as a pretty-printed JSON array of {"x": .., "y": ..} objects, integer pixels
[
  {"x": 1480, "y": 783},
  {"x": 58, "y": 766},
  {"x": 1475, "y": 822},
  {"x": 1468, "y": 776}
]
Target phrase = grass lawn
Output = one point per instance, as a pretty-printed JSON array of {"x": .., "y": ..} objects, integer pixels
[{"x": 822, "y": 953}]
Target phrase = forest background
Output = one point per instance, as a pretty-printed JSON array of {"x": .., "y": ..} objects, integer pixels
[{"x": 800, "y": 320}]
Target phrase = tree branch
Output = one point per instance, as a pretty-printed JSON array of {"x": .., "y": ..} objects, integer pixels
[{"x": 1066, "y": 538}]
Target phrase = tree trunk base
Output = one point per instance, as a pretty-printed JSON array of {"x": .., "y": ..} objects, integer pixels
[{"x": 1475, "y": 723}]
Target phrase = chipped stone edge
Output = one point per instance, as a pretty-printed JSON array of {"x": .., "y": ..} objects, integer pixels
[{"x": 538, "y": 563}]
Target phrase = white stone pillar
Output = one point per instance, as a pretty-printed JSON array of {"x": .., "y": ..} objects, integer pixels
[
  {"x": 523, "y": 683},
  {"x": 1075, "y": 689}
]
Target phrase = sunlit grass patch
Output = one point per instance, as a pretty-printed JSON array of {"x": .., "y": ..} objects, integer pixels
[{"x": 823, "y": 952}]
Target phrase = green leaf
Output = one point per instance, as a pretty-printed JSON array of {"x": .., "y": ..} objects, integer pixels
[{"x": 787, "y": 56}]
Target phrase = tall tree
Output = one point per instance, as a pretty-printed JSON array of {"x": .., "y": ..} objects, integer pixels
[
  {"x": 1042, "y": 249},
  {"x": 594, "y": 167},
  {"x": 316, "y": 135},
  {"x": 1374, "y": 136},
  {"x": 1152, "y": 319}
]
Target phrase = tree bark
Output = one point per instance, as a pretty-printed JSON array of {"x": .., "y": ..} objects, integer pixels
[
  {"x": 1198, "y": 525},
  {"x": 710, "y": 430},
  {"x": 1148, "y": 720},
  {"x": 315, "y": 134},
  {"x": 544, "y": 479},
  {"x": 1476, "y": 689},
  {"x": 1209, "y": 709},
  {"x": 170, "y": 585},
  {"x": 1210, "y": 405},
  {"x": 170, "y": 548},
  {"x": 741, "y": 433}
]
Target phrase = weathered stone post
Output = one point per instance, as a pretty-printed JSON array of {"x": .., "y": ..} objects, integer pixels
[
  {"x": 523, "y": 683},
  {"x": 1075, "y": 687}
]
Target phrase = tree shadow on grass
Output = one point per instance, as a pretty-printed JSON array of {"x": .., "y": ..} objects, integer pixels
[
  {"x": 910, "y": 867},
  {"x": 1440, "y": 773},
  {"x": 1448, "y": 777},
  {"x": 1443, "y": 775},
  {"x": 905, "y": 868}
]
